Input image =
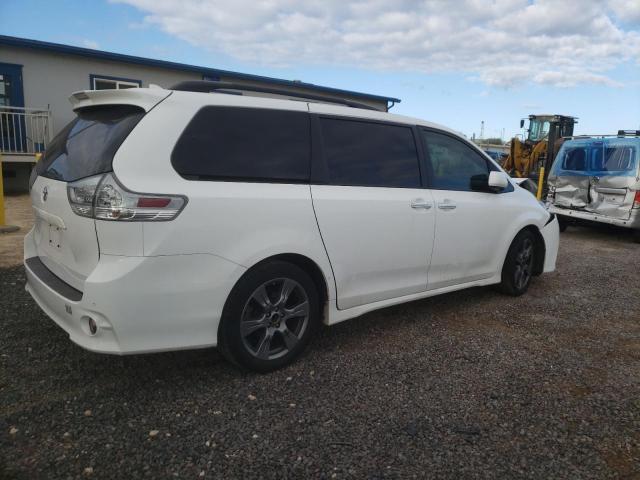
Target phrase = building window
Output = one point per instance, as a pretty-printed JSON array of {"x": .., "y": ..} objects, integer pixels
[{"x": 101, "y": 82}]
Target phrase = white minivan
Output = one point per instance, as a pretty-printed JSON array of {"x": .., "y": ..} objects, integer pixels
[{"x": 175, "y": 219}]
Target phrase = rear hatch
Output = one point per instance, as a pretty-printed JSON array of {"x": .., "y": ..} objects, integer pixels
[
  {"x": 66, "y": 242},
  {"x": 596, "y": 176}
]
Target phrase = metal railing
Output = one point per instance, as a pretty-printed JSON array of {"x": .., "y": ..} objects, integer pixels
[{"x": 24, "y": 130}]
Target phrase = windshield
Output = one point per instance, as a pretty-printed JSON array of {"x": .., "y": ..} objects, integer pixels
[
  {"x": 538, "y": 130},
  {"x": 596, "y": 158}
]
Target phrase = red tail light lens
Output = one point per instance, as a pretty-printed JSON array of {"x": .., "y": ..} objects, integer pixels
[
  {"x": 636, "y": 200},
  {"x": 153, "y": 202},
  {"x": 104, "y": 198}
]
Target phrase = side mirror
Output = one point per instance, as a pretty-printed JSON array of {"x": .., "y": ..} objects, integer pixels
[
  {"x": 498, "y": 180},
  {"x": 522, "y": 123},
  {"x": 492, "y": 183}
]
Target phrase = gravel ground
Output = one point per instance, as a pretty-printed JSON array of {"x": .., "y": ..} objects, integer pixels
[{"x": 467, "y": 385}]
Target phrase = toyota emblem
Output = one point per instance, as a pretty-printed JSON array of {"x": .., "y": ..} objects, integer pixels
[{"x": 45, "y": 194}]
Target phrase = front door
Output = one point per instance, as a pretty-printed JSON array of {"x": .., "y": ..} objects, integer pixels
[
  {"x": 470, "y": 225},
  {"x": 376, "y": 220},
  {"x": 13, "y": 135}
]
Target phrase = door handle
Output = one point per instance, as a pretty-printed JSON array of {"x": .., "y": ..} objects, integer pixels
[
  {"x": 447, "y": 204},
  {"x": 420, "y": 203}
]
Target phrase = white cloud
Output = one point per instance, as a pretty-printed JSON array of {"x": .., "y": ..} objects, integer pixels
[
  {"x": 90, "y": 44},
  {"x": 627, "y": 11},
  {"x": 500, "y": 42}
]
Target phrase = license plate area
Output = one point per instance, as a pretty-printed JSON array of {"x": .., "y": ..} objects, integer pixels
[
  {"x": 55, "y": 237},
  {"x": 612, "y": 199}
]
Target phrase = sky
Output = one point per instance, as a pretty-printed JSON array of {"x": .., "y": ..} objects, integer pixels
[{"x": 453, "y": 62}]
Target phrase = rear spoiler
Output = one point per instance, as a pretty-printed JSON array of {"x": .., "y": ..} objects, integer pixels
[{"x": 145, "y": 98}]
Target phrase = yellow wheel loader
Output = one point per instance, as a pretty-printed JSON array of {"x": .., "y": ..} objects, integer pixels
[{"x": 526, "y": 157}]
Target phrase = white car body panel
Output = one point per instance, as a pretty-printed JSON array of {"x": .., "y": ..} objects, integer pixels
[
  {"x": 145, "y": 98},
  {"x": 551, "y": 235},
  {"x": 472, "y": 238},
  {"x": 143, "y": 304},
  {"x": 386, "y": 222}
]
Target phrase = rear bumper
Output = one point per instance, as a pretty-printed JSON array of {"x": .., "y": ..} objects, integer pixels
[
  {"x": 140, "y": 304},
  {"x": 632, "y": 222},
  {"x": 551, "y": 235}
]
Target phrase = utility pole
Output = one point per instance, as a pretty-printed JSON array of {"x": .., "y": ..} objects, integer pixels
[{"x": 482, "y": 130}]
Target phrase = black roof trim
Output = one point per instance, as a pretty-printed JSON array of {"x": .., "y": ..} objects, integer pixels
[{"x": 206, "y": 86}]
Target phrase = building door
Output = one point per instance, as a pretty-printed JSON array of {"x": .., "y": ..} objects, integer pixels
[{"x": 13, "y": 134}]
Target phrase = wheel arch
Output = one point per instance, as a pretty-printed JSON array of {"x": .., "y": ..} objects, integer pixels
[
  {"x": 541, "y": 249},
  {"x": 303, "y": 262},
  {"x": 310, "y": 267}
]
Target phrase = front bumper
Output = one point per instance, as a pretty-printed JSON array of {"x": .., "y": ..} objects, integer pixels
[
  {"x": 632, "y": 222},
  {"x": 140, "y": 304},
  {"x": 551, "y": 235}
]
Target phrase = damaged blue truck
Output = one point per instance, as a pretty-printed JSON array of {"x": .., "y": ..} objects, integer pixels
[{"x": 597, "y": 179}]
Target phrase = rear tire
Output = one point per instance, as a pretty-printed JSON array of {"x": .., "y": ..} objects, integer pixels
[
  {"x": 269, "y": 318},
  {"x": 517, "y": 270},
  {"x": 636, "y": 236}
]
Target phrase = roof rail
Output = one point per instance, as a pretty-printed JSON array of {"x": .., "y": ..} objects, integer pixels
[
  {"x": 629, "y": 133},
  {"x": 207, "y": 86},
  {"x": 621, "y": 133}
]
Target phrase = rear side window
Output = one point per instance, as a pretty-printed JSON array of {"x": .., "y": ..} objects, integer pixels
[
  {"x": 370, "y": 154},
  {"x": 250, "y": 144},
  {"x": 86, "y": 146},
  {"x": 453, "y": 163},
  {"x": 575, "y": 159}
]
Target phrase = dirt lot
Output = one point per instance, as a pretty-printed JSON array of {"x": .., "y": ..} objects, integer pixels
[
  {"x": 18, "y": 212},
  {"x": 468, "y": 385}
]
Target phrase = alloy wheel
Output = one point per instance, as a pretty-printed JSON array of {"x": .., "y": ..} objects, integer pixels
[
  {"x": 524, "y": 264},
  {"x": 274, "y": 318}
]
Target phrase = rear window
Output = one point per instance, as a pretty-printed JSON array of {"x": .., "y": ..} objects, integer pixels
[
  {"x": 601, "y": 158},
  {"x": 614, "y": 159},
  {"x": 370, "y": 154},
  {"x": 86, "y": 146},
  {"x": 245, "y": 144},
  {"x": 575, "y": 160}
]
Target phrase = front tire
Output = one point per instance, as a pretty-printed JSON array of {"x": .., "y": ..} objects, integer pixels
[
  {"x": 518, "y": 265},
  {"x": 269, "y": 318}
]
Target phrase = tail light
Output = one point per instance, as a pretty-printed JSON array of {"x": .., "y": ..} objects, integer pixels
[
  {"x": 102, "y": 197},
  {"x": 636, "y": 200}
]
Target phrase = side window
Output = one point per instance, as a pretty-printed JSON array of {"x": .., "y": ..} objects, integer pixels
[
  {"x": 575, "y": 159},
  {"x": 452, "y": 162},
  {"x": 370, "y": 154},
  {"x": 250, "y": 144}
]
